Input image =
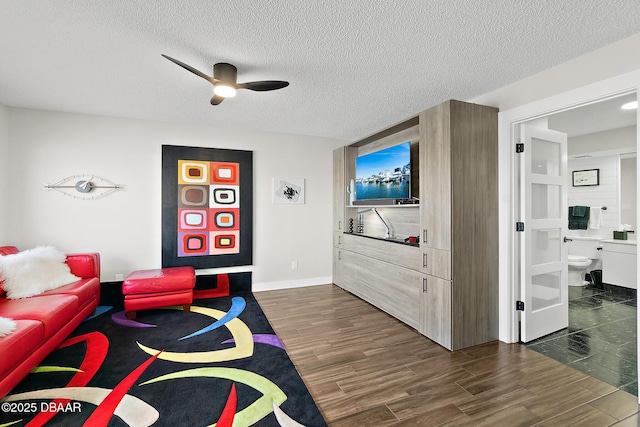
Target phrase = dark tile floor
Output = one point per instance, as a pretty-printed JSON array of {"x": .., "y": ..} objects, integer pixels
[{"x": 601, "y": 338}]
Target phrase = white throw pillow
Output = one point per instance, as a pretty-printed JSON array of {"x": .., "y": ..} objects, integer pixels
[
  {"x": 6, "y": 326},
  {"x": 34, "y": 271}
]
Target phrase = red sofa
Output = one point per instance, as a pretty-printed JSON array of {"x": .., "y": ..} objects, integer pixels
[{"x": 45, "y": 320}]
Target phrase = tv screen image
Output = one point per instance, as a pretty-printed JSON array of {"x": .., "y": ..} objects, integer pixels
[{"x": 384, "y": 174}]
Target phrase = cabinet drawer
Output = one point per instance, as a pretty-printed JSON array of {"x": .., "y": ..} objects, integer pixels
[
  {"x": 623, "y": 248},
  {"x": 338, "y": 239},
  {"x": 394, "y": 253},
  {"x": 437, "y": 262},
  {"x": 389, "y": 287}
]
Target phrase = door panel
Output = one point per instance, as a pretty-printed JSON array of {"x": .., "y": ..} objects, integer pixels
[
  {"x": 338, "y": 189},
  {"x": 435, "y": 312},
  {"x": 435, "y": 177},
  {"x": 544, "y": 183}
]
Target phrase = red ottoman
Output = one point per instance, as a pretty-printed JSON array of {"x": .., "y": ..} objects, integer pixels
[{"x": 146, "y": 289}]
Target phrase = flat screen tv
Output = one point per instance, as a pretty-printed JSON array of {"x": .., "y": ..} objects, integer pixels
[{"x": 384, "y": 175}]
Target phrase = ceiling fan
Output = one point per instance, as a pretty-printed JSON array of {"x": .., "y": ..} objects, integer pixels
[{"x": 224, "y": 80}]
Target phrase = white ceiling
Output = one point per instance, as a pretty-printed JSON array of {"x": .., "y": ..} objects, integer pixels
[
  {"x": 597, "y": 117},
  {"x": 354, "y": 66}
]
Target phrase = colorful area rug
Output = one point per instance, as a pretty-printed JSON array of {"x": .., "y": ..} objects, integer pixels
[{"x": 219, "y": 365}]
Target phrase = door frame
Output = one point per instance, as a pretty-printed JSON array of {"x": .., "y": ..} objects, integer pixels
[{"x": 508, "y": 179}]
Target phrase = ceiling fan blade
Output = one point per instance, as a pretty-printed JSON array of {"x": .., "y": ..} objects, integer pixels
[
  {"x": 263, "y": 85},
  {"x": 189, "y": 68},
  {"x": 216, "y": 99}
]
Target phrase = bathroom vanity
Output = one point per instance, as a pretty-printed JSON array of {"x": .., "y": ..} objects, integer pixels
[{"x": 619, "y": 263}]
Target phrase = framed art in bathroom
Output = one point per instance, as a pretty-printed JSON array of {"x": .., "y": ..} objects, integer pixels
[{"x": 585, "y": 178}]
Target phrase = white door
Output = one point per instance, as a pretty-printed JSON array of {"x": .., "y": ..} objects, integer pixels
[{"x": 544, "y": 182}]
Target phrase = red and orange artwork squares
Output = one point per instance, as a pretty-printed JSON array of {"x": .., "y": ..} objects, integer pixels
[
  {"x": 224, "y": 173},
  {"x": 224, "y": 243},
  {"x": 208, "y": 201}
]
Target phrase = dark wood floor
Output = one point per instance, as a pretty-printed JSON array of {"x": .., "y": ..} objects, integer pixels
[{"x": 365, "y": 368}]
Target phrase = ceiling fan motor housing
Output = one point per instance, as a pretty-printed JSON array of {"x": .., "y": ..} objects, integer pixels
[{"x": 226, "y": 73}]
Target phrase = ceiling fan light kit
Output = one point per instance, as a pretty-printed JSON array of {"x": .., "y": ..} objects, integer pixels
[
  {"x": 224, "y": 80},
  {"x": 224, "y": 91}
]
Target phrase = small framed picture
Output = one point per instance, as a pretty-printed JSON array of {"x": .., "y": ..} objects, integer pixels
[
  {"x": 586, "y": 178},
  {"x": 288, "y": 191}
]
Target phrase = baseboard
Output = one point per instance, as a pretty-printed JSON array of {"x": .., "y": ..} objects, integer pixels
[
  {"x": 290, "y": 284},
  {"x": 111, "y": 292}
]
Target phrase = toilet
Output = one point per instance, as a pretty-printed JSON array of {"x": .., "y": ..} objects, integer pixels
[{"x": 584, "y": 256}]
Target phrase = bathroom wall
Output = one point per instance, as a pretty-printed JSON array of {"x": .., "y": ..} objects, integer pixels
[
  {"x": 617, "y": 189},
  {"x": 621, "y": 140},
  {"x": 628, "y": 191},
  {"x": 605, "y": 194}
]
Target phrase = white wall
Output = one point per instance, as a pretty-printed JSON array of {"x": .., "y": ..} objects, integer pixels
[
  {"x": 4, "y": 172},
  {"x": 629, "y": 191},
  {"x": 622, "y": 140},
  {"x": 606, "y": 194},
  {"x": 605, "y": 149},
  {"x": 125, "y": 226}
]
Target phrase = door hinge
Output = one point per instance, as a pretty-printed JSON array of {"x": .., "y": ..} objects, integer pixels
[
  {"x": 519, "y": 147},
  {"x": 519, "y": 226},
  {"x": 519, "y": 305}
]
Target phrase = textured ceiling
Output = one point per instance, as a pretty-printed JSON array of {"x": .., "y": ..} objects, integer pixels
[{"x": 354, "y": 66}]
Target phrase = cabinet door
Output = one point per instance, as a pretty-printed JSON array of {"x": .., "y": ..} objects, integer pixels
[
  {"x": 436, "y": 262},
  {"x": 435, "y": 310},
  {"x": 619, "y": 265},
  {"x": 435, "y": 177},
  {"x": 339, "y": 188},
  {"x": 389, "y": 287}
]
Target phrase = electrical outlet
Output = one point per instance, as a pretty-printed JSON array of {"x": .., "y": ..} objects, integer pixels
[
  {"x": 119, "y": 277},
  {"x": 294, "y": 265}
]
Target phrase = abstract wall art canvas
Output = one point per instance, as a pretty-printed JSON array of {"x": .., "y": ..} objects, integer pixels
[
  {"x": 207, "y": 204},
  {"x": 288, "y": 191}
]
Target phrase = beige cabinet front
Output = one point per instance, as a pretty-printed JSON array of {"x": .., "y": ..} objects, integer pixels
[
  {"x": 436, "y": 262},
  {"x": 435, "y": 177},
  {"x": 389, "y": 287},
  {"x": 338, "y": 188},
  {"x": 435, "y": 310}
]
